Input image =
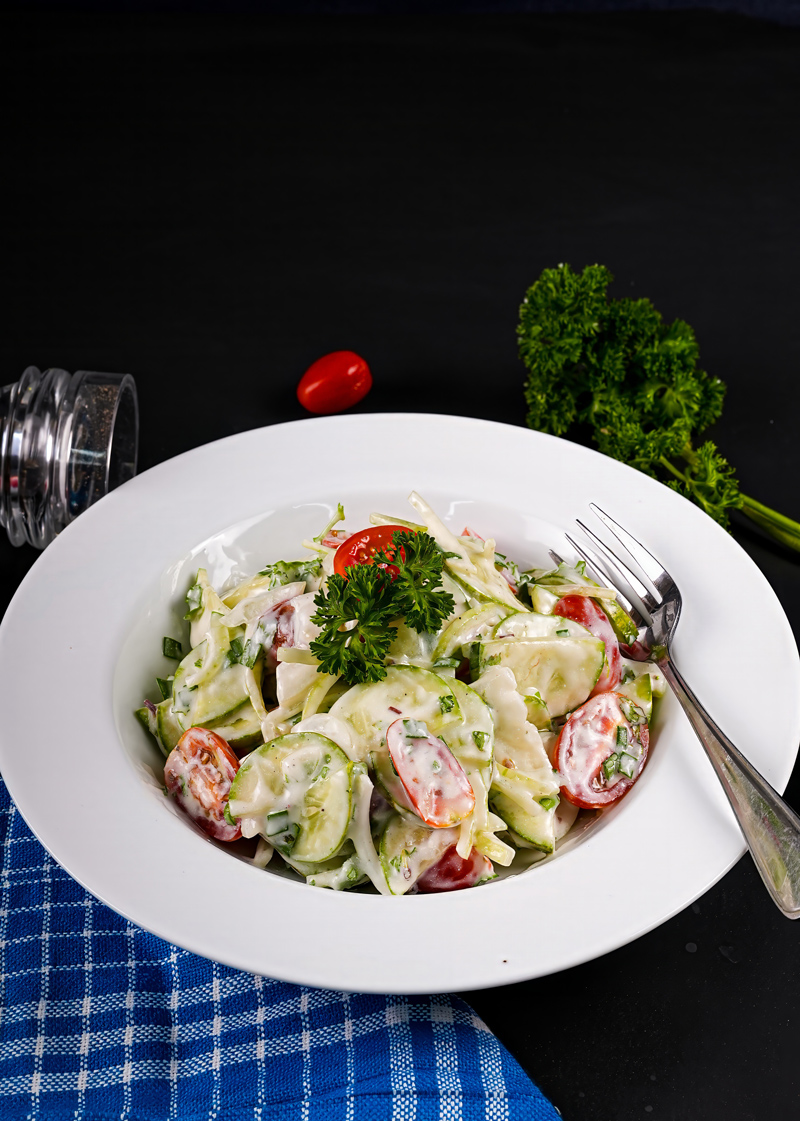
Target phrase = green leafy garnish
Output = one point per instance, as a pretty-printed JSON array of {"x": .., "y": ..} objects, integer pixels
[
  {"x": 614, "y": 370},
  {"x": 447, "y": 703},
  {"x": 287, "y": 572},
  {"x": 480, "y": 739},
  {"x": 194, "y": 601},
  {"x": 354, "y": 611},
  {"x": 418, "y": 562},
  {"x": 610, "y": 766},
  {"x": 172, "y": 649}
]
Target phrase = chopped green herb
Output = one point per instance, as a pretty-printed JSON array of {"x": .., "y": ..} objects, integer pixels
[
  {"x": 627, "y": 764},
  {"x": 249, "y": 655},
  {"x": 165, "y": 686},
  {"x": 172, "y": 649},
  {"x": 622, "y": 735},
  {"x": 610, "y": 766},
  {"x": 549, "y": 803},
  {"x": 415, "y": 729},
  {"x": 288, "y": 572},
  {"x": 565, "y": 631},
  {"x": 480, "y": 739},
  {"x": 282, "y": 832},
  {"x": 194, "y": 601},
  {"x": 627, "y": 675},
  {"x": 447, "y": 703},
  {"x": 447, "y": 663}
]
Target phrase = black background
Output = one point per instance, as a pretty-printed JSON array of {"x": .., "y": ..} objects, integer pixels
[{"x": 211, "y": 202}]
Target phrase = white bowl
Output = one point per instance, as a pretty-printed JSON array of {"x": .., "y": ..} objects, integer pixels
[{"x": 80, "y": 647}]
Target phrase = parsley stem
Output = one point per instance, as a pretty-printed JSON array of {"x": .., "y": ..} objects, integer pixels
[{"x": 778, "y": 525}]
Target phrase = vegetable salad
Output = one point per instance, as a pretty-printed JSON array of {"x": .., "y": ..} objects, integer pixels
[{"x": 403, "y": 707}]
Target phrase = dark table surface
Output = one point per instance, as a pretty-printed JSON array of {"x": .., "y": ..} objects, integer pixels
[{"x": 212, "y": 202}]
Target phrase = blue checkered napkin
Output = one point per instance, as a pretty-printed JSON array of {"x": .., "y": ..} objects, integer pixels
[{"x": 99, "y": 1020}]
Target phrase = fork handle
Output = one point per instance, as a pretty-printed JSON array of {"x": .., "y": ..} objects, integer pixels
[{"x": 770, "y": 827}]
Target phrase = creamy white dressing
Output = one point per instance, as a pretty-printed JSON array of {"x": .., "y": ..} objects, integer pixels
[
  {"x": 327, "y": 725},
  {"x": 545, "y": 666}
]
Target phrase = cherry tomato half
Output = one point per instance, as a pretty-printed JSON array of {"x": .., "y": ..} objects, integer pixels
[
  {"x": 450, "y": 872},
  {"x": 584, "y": 610},
  {"x": 362, "y": 547},
  {"x": 334, "y": 382},
  {"x": 601, "y": 751},
  {"x": 435, "y": 782},
  {"x": 198, "y": 773}
]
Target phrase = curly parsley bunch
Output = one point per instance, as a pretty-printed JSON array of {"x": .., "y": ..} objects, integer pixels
[
  {"x": 614, "y": 369},
  {"x": 355, "y": 611}
]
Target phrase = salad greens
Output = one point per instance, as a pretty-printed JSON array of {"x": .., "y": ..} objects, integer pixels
[{"x": 612, "y": 369}]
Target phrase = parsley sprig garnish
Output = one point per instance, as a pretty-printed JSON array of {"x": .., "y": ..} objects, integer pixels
[
  {"x": 613, "y": 370},
  {"x": 418, "y": 561},
  {"x": 355, "y": 611}
]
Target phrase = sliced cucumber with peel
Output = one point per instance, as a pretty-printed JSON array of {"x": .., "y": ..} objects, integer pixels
[
  {"x": 474, "y": 624},
  {"x": 407, "y": 691},
  {"x": 532, "y": 624},
  {"x": 306, "y": 778},
  {"x": 638, "y": 686},
  {"x": 536, "y": 830},
  {"x": 563, "y": 671},
  {"x": 408, "y": 849}
]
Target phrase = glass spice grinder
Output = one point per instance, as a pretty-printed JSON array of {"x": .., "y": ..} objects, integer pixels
[{"x": 65, "y": 441}]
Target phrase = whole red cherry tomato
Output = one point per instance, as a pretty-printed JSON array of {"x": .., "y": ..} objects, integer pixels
[
  {"x": 198, "y": 773},
  {"x": 601, "y": 751},
  {"x": 334, "y": 382},
  {"x": 362, "y": 547}
]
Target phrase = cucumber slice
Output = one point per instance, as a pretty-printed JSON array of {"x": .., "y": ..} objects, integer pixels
[
  {"x": 388, "y": 782},
  {"x": 411, "y": 647},
  {"x": 146, "y": 719},
  {"x": 407, "y": 691},
  {"x": 207, "y": 688},
  {"x": 327, "y": 811},
  {"x": 542, "y": 601},
  {"x": 638, "y": 686},
  {"x": 471, "y": 741},
  {"x": 242, "y": 729},
  {"x": 346, "y": 875},
  {"x": 516, "y": 798},
  {"x": 408, "y": 849},
  {"x": 537, "y": 711},
  {"x": 473, "y": 624},
  {"x": 537, "y": 830},
  {"x": 168, "y": 731},
  {"x": 562, "y": 670},
  {"x": 532, "y": 624},
  {"x": 624, "y": 627},
  {"x": 307, "y": 777}
]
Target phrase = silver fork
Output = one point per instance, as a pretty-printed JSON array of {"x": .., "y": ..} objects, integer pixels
[{"x": 770, "y": 827}]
